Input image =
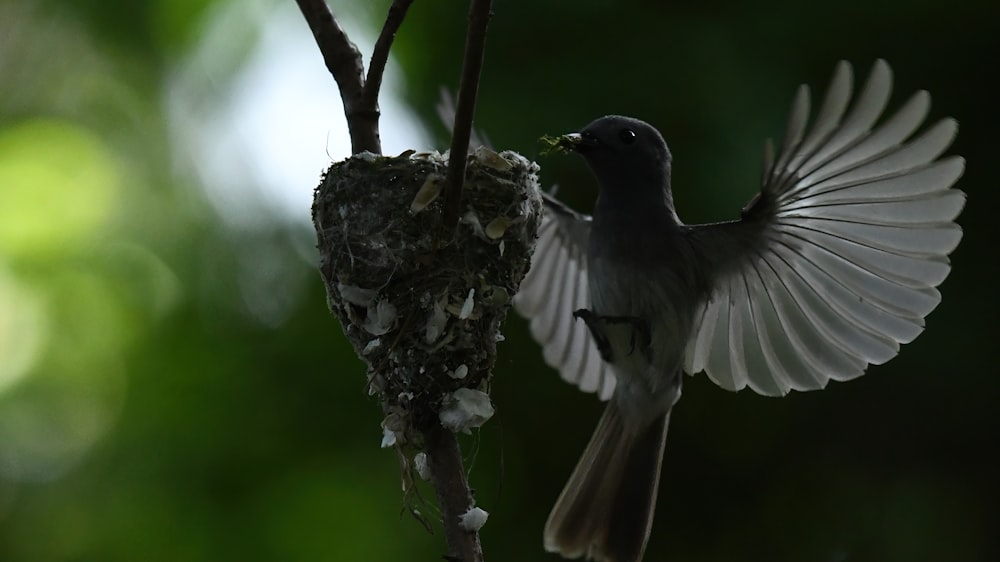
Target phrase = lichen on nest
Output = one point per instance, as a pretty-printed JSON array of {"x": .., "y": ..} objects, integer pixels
[{"x": 422, "y": 306}]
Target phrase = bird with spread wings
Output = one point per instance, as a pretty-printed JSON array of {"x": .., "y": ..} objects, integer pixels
[{"x": 831, "y": 266}]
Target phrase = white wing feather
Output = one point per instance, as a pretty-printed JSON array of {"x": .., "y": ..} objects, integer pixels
[
  {"x": 555, "y": 287},
  {"x": 852, "y": 232}
]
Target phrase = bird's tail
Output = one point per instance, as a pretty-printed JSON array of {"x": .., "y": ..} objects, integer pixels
[{"x": 606, "y": 509}]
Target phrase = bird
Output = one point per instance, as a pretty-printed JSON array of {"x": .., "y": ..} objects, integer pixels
[{"x": 831, "y": 266}]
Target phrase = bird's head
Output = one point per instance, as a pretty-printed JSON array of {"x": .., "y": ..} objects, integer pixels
[{"x": 628, "y": 156}]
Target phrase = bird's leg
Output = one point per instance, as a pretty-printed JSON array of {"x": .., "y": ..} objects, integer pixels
[
  {"x": 597, "y": 324},
  {"x": 639, "y": 325}
]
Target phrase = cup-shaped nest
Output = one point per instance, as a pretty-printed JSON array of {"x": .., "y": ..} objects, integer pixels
[{"x": 423, "y": 305}]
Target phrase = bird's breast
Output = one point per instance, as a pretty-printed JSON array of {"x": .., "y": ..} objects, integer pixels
[
  {"x": 647, "y": 367},
  {"x": 641, "y": 265}
]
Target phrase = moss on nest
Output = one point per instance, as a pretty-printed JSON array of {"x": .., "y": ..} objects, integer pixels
[{"x": 423, "y": 308}]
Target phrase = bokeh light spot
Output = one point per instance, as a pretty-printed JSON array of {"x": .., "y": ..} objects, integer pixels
[
  {"x": 23, "y": 329},
  {"x": 60, "y": 184}
]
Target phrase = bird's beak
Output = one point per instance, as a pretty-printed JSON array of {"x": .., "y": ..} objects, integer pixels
[{"x": 580, "y": 142}]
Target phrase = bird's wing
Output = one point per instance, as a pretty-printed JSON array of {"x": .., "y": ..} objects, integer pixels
[
  {"x": 556, "y": 286},
  {"x": 835, "y": 262}
]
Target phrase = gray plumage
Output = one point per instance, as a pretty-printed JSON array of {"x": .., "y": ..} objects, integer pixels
[{"x": 831, "y": 267}]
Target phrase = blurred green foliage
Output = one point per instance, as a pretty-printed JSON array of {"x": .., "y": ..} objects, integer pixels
[{"x": 172, "y": 387}]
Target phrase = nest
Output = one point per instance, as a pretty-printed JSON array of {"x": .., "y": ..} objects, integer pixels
[{"x": 422, "y": 306}]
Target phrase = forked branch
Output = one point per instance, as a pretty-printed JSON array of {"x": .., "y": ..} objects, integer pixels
[{"x": 343, "y": 59}]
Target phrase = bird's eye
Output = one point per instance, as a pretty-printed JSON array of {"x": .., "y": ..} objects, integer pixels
[{"x": 627, "y": 136}]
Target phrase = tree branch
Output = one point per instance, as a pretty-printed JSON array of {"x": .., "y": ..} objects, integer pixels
[
  {"x": 380, "y": 54},
  {"x": 468, "y": 89},
  {"x": 343, "y": 60},
  {"x": 444, "y": 459}
]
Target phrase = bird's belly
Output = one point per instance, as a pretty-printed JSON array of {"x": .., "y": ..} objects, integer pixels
[{"x": 647, "y": 377}]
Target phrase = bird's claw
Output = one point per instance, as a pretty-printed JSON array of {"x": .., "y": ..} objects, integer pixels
[
  {"x": 596, "y": 326},
  {"x": 597, "y": 323}
]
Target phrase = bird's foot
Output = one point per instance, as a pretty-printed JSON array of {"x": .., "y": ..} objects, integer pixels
[
  {"x": 595, "y": 324},
  {"x": 641, "y": 331}
]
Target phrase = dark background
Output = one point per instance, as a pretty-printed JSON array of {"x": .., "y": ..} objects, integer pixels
[{"x": 208, "y": 434}]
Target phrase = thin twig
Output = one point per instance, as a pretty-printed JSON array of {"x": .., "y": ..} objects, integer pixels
[
  {"x": 468, "y": 89},
  {"x": 380, "y": 54},
  {"x": 343, "y": 60},
  {"x": 444, "y": 458}
]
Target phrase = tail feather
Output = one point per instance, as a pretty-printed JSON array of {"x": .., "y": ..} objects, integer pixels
[{"x": 605, "y": 512}]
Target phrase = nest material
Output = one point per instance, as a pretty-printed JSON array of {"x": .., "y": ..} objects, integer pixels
[{"x": 422, "y": 306}]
